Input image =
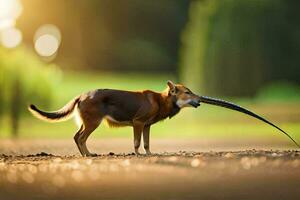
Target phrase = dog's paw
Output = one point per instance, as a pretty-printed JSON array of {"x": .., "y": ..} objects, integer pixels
[{"x": 91, "y": 155}]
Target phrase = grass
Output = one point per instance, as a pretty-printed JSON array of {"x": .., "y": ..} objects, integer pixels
[
  {"x": 204, "y": 122},
  {"x": 75, "y": 83}
]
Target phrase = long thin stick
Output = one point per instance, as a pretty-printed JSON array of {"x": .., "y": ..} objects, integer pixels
[{"x": 225, "y": 104}]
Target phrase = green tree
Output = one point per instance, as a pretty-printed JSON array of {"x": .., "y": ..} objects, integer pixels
[
  {"x": 241, "y": 45},
  {"x": 24, "y": 78}
]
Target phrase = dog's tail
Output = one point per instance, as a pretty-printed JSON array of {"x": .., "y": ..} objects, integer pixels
[{"x": 62, "y": 114}]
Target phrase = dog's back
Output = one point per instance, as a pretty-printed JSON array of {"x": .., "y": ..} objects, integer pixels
[{"x": 116, "y": 106}]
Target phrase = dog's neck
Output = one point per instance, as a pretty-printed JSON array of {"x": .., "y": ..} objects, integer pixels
[{"x": 168, "y": 106}]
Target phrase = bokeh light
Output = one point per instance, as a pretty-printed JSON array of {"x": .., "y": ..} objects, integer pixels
[
  {"x": 46, "y": 45},
  {"x": 7, "y": 23},
  {"x": 47, "y": 40},
  {"x": 10, "y": 10},
  {"x": 10, "y": 37}
]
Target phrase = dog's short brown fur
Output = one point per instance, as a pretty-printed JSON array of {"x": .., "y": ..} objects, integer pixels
[{"x": 122, "y": 108}]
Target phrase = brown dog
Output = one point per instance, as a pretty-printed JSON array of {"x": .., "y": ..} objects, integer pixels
[{"x": 122, "y": 108}]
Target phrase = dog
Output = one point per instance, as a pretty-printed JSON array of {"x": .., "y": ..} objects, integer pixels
[
  {"x": 130, "y": 108},
  {"x": 139, "y": 109}
]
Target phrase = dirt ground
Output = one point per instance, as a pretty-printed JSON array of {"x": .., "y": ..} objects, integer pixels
[{"x": 53, "y": 169}]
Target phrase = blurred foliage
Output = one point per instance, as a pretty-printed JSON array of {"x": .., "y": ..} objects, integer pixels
[
  {"x": 24, "y": 79},
  {"x": 279, "y": 92},
  {"x": 194, "y": 44},
  {"x": 234, "y": 47},
  {"x": 119, "y": 35}
]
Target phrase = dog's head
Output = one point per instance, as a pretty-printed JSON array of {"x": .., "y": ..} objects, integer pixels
[{"x": 183, "y": 96}]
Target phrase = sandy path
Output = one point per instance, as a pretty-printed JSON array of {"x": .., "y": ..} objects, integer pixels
[{"x": 26, "y": 173}]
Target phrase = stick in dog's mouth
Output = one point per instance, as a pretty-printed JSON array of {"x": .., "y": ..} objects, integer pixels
[
  {"x": 194, "y": 104},
  {"x": 232, "y": 106}
]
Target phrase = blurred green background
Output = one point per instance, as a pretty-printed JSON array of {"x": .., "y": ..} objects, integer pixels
[{"x": 243, "y": 51}]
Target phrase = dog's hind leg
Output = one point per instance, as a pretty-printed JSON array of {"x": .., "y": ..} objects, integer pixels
[
  {"x": 76, "y": 138},
  {"x": 89, "y": 127},
  {"x": 90, "y": 115}
]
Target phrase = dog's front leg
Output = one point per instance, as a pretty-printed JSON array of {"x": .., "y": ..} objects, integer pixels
[
  {"x": 146, "y": 133},
  {"x": 137, "y": 130}
]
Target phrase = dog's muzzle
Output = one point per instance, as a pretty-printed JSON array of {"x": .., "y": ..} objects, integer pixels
[{"x": 194, "y": 104}]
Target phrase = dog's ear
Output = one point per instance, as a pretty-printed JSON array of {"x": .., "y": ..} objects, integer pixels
[{"x": 172, "y": 87}]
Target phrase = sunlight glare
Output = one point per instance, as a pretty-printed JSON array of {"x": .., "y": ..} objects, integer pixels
[
  {"x": 10, "y": 10},
  {"x": 47, "y": 40},
  {"x": 10, "y": 37},
  {"x": 7, "y": 23},
  {"x": 46, "y": 45}
]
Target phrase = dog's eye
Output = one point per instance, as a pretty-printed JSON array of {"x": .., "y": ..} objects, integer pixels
[{"x": 187, "y": 92}]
